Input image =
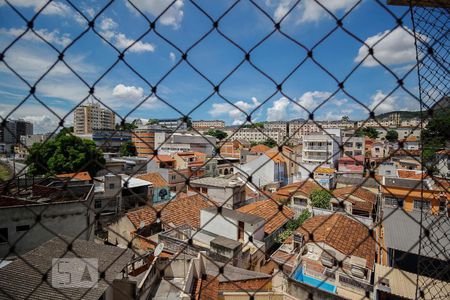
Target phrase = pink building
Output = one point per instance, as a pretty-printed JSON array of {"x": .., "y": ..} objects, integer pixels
[{"x": 351, "y": 165}]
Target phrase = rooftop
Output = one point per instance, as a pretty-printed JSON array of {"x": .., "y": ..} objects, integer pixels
[
  {"x": 259, "y": 149},
  {"x": 179, "y": 211},
  {"x": 76, "y": 176},
  {"x": 269, "y": 210},
  {"x": 155, "y": 178},
  {"x": 236, "y": 215},
  {"x": 343, "y": 233},
  {"x": 217, "y": 182},
  {"x": 402, "y": 231},
  {"x": 22, "y": 279},
  {"x": 225, "y": 242}
]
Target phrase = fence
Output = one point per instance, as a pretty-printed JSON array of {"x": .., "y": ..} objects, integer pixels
[{"x": 230, "y": 50}]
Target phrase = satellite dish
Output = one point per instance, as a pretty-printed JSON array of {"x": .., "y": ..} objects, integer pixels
[{"x": 158, "y": 249}]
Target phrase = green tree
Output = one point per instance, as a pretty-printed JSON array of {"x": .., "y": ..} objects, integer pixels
[
  {"x": 436, "y": 134},
  {"x": 292, "y": 225},
  {"x": 218, "y": 134},
  {"x": 128, "y": 149},
  {"x": 370, "y": 132},
  {"x": 392, "y": 135},
  {"x": 269, "y": 143},
  {"x": 65, "y": 153},
  {"x": 320, "y": 198}
]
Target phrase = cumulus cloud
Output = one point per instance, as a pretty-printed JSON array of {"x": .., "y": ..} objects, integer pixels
[
  {"x": 310, "y": 10},
  {"x": 279, "y": 110},
  {"x": 171, "y": 17},
  {"x": 172, "y": 56},
  {"x": 55, "y": 8},
  {"x": 381, "y": 103},
  {"x": 310, "y": 100},
  {"x": 127, "y": 92},
  {"x": 237, "y": 115},
  {"x": 391, "y": 48},
  {"x": 54, "y": 37},
  {"x": 120, "y": 40}
]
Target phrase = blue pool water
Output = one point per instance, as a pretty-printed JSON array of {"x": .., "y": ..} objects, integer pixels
[{"x": 299, "y": 276}]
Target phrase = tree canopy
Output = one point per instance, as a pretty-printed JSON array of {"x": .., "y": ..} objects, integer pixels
[
  {"x": 436, "y": 134},
  {"x": 65, "y": 153},
  {"x": 320, "y": 198},
  {"x": 370, "y": 132},
  {"x": 392, "y": 135},
  {"x": 292, "y": 225},
  {"x": 218, "y": 134},
  {"x": 128, "y": 149}
]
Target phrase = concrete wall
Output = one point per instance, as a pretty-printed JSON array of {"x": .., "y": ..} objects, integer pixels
[
  {"x": 66, "y": 218},
  {"x": 119, "y": 233},
  {"x": 262, "y": 170}
]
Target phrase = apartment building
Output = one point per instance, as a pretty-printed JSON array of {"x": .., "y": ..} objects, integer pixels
[
  {"x": 14, "y": 129},
  {"x": 92, "y": 116},
  {"x": 108, "y": 140},
  {"x": 144, "y": 139},
  {"x": 206, "y": 124},
  {"x": 170, "y": 143},
  {"x": 259, "y": 134},
  {"x": 173, "y": 124},
  {"x": 277, "y": 126},
  {"x": 300, "y": 128},
  {"x": 319, "y": 150}
]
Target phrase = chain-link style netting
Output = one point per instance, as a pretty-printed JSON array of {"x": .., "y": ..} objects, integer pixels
[{"x": 378, "y": 234}]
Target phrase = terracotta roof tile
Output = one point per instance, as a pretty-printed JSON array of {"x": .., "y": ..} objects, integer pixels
[
  {"x": 259, "y": 285},
  {"x": 411, "y": 174},
  {"x": 76, "y": 176},
  {"x": 269, "y": 211},
  {"x": 324, "y": 170},
  {"x": 276, "y": 156},
  {"x": 155, "y": 178},
  {"x": 303, "y": 187},
  {"x": 356, "y": 191},
  {"x": 259, "y": 149},
  {"x": 342, "y": 233},
  {"x": 179, "y": 211}
]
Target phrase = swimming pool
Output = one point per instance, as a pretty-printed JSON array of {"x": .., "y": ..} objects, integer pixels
[{"x": 323, "y": 285}]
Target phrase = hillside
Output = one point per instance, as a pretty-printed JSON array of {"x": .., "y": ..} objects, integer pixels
[{"x": 403, "y": 114}]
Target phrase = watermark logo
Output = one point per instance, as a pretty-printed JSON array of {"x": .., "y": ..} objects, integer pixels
[{"x": 75, "y": 273}]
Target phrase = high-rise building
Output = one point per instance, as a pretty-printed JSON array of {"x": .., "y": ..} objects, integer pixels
[
  {"x": 14, "y": 129},
  {"x": 92, "y": 116}
]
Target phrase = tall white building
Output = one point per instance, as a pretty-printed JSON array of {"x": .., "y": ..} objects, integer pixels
[
  {"x": 92, "y": 116},
  {"x": 319, "y": 150}
]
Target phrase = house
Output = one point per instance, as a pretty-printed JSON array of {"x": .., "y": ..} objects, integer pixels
[
  {"x": 275, "y": 217},
  {"x": 352, "y": 166},
  {"x": 326, "y": 177},
  {"x": 42, "y": 210},
  {"x": 160, "y": 187},
  {"x": 337, "y": 250},
  {"x": 193, "y": 161},
  {"x": 183, "y": 210},
  {"x": 33, "y": 275},
  {"x": 411, "y": 143},
  {"x": 268, "y": 169},
  {"x": 229, "y": 192},
  {"x": 402, "y": 232},
  {"x": 233, "y": 149},
  {"x": 412, "y": 195},
  {"x": 259, "y": 149},
  {"x": 355, "y": 200},
  {"x": 166, "y": 166},
  {"x": 116, "y": 193},
  {"x": 354, "y": 145},
  {"x": 297, "y": 194},
  {"x": 379, "y": 150}
]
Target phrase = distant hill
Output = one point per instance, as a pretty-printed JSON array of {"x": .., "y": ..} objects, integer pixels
[{"x": 403, "y": 114}]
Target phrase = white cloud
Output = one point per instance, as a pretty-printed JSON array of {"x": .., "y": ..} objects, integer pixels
[
  {"x": 128, "y": 92},
  {"x": 172, "y": 17},
  {"x": 226, "y": 109},
  {"x": 55, "y": 8},
  {"x": 381, "y": 103},
  {"x": 310, "y": 11},
  {"x": 279, "y": 110},
  {"x": 172, "y": 56},
  {"x": 54, "y": 37},
  {"x": 394, "y": 47},
  {"x": 120, "y": 40},
  {"x": 310, "y": 100}
]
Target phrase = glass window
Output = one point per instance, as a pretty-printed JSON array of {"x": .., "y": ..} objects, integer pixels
[
  {"x": 98, "y": 204},
  {"x": 421, "y": 204},
  {"x": 392, "y": 201}
]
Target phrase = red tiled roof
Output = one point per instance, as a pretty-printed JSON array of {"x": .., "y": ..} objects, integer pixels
[
  {"x": 163, "y": 158},
  {"x": 411, "y": 174},
  {"x": 76, "y": 176},
  {"x": 179, "y": 211},
  {"x": 356, "y": 191},
  {"x": 302, "y": 187},
  {"x": 344, "y": 234},
  {"x": 259, "y": 285},
  {"x": 269, "y": 211},
  {"x": 275, "y": 156},
  {"x": 259, "y": 149},
  {"x": 155, "y": 178}
]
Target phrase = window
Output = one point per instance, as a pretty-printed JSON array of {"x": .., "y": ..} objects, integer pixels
[
  {"x": 111, "y": 186},
  {"x": 300, "y": 201},
  {"x": 392, "y": 201},
  {"x": 98, "y": 204},
  {"x": 421, "y": 204},
  {"x": 3, "y": 235},
  {"x": 22, "y": 228},
  {"x": 442, "y": 205}
]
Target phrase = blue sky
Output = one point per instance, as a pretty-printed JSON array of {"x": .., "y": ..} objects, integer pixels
[{"x": 184, "y": 89}]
